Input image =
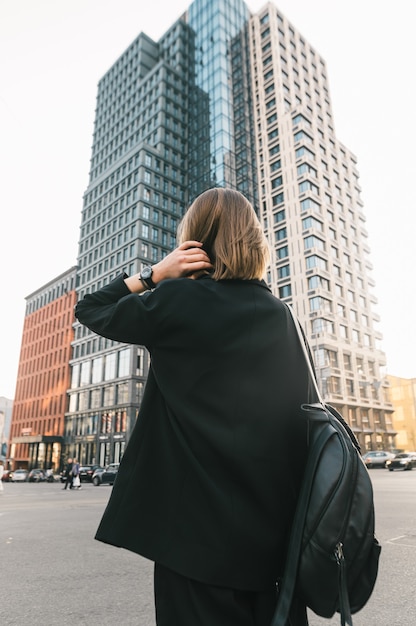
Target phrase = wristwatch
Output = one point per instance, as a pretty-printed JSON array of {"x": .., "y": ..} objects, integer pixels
[{"x": 146, "y": 277}]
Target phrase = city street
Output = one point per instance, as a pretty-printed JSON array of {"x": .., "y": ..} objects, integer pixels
[{"x": 53, "y": 573}]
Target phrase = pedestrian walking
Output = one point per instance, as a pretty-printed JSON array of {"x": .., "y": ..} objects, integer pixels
[
  {"x": 68, "y": 474},
  {"x": 76, "y": 480},
  {"x": 207, "y": 487}
]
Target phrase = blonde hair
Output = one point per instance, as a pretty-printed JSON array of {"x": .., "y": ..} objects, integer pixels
[{"x": 226, "y": 223}]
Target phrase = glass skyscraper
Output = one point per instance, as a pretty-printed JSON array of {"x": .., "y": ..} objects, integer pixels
[
  {"x": 226, "y": 98},
  {"x": 215, "y": 25}
]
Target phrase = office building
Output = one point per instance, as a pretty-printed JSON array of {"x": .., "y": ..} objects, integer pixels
[{"x": 226, "y": 98}]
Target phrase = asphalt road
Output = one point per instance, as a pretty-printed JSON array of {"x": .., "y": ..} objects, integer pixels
[{"x": 53, "y": 573}]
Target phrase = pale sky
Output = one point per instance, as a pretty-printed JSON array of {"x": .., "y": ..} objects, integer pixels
[{"x": 53, "y": 54}]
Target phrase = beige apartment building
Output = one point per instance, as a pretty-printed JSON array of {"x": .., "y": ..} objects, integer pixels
[{"x": 311, "y": 208}]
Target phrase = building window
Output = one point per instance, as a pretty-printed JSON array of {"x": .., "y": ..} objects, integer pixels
[
  {"x": 95, "y": 398},
  {"x": 85, "y": 377},
  {"x": 122, "y": 394},
  {"x": 278, "y": 199},
  {"x": 283, "y": 252},
  {"x": 298, "y": 119},
  {"x": 140, "y": 362},
  {"x": 305, "y": 168},
  {"x": 280, "y": 234},
  {"x": 145, "y": 231},
  {"x": 110, "y": 366},
  {"x": 97, "y": 370},
  {"x": 306, "y": 185},
  {"x": 280, "y": 216},
  {"x": 305, "y": 152},
  {"x": 276, "y": 182},
  {"x": 347, "y": 362},
  {"x": 284, "y": 271},
  {"x": 285, "y": 291},
  {"x": 320, "y": 304},
  {"x": 332, "y": 358},
  {"x": 313, "y": 242},
  {"x": 83, "y": 400},
  {"x": 341, "y": 311},
  {"x": 308, "y": 203},
  {"x": 315, "y": 261},
  {"x": 316, "y": 282},
  {"x": 311, "y": 222},
  {"x": 124, "y": 362},
  {"x": 343, "y": 331},
  {"x": 106, "y": 418},
  {"x": 75, "y": 376},
  {"x": 301, "y": 135}
]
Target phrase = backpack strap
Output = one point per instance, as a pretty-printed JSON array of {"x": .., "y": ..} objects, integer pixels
[{"x": 306, "y": 352}]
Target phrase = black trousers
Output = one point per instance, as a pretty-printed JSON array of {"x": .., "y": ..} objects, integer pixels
[
  {"x": 180, "y": 601},
  {"x": 68, "y": 481}
]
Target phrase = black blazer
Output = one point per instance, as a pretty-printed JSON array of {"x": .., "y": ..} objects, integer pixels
[{"x": 209, "y": 479}]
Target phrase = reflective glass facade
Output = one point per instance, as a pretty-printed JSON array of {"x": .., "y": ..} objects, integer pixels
[{"x": 217, "y": 24}]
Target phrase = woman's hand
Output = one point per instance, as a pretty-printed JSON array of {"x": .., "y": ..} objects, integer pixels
[{"x": 188, "y": 259}]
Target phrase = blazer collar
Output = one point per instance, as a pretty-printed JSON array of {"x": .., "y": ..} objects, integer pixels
[{"x": 253, "y": 281}]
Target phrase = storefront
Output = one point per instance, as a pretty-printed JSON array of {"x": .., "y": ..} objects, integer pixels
[{"x": 36, "y": 451}]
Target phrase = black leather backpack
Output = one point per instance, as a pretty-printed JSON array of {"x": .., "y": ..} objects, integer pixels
[{"x": 333, "y": 554}]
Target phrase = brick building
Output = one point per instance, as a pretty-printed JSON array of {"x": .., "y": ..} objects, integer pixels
[{"x": 37, "y": 424}]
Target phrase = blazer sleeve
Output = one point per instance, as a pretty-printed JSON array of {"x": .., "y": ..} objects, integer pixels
[{"x": 116, "y": 313}]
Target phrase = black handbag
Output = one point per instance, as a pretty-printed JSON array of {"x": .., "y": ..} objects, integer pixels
[{"x": 333, "y": 555}]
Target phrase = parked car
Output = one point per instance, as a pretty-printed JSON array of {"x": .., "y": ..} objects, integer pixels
[
  {"x": 19, "y": 476},
  {"x": 403, "y": 461},
  {"x": 377, "y": 458},
  {"x": 86, "y": 472},
  {"x": 36, "y": 475},
  {"x": 105, "y": 476}
]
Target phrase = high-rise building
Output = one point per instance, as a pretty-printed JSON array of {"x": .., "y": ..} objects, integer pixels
[{"x": 226, "y": 98}]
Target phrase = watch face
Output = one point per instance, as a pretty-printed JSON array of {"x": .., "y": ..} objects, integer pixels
[{"x": 147, "y": 272}]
